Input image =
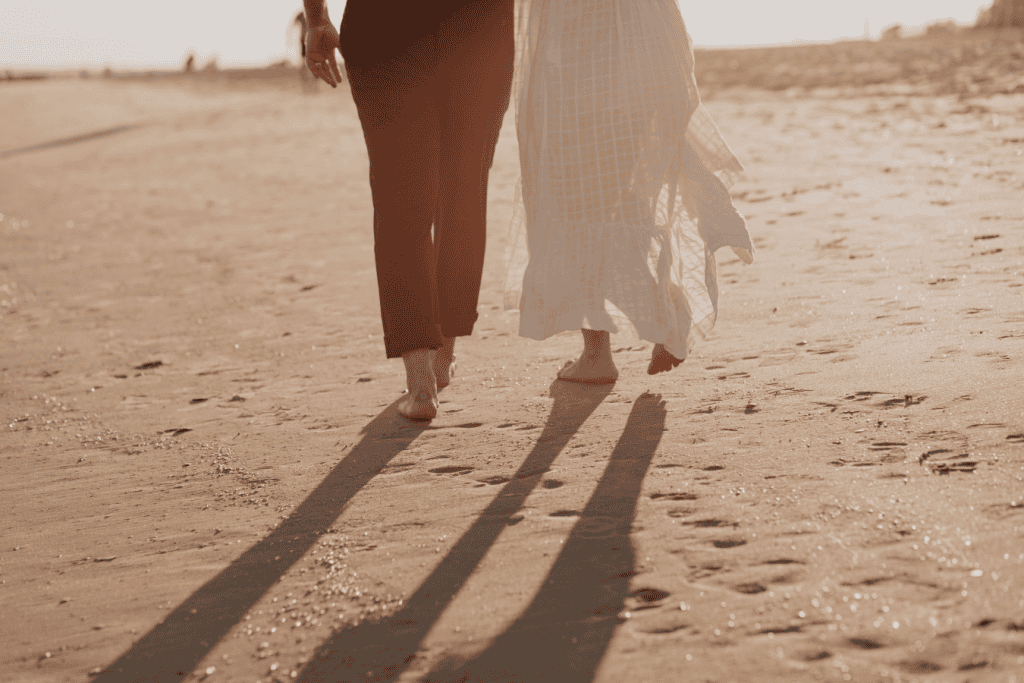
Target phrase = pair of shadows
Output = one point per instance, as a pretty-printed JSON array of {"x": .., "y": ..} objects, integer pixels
[
  {"x": 564, "y": 633},
  {"x": 175, "y": 646}
]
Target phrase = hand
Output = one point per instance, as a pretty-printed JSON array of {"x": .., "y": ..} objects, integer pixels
[{"x": 321, "y": 42}]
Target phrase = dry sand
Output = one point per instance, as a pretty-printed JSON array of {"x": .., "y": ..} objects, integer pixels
[{"x": 204, "y": 476}]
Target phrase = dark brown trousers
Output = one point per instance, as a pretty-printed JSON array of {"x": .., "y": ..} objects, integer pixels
[{"x": 431, "y": 85}]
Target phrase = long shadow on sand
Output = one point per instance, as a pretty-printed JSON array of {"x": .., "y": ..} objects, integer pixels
[
  {"x": 564, "y": 633},
  {"x": 68, "y": 141},
  {"x": 173, "y": 648},
  {"x": 584, "y": 591}
]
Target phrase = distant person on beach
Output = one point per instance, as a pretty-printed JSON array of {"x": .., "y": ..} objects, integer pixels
[
  {"x": 309, "y": 81},
  {"x": 300, "y": 20},
  {"x": 621, "y": 205},
  {"x": 431, "y": 83}
]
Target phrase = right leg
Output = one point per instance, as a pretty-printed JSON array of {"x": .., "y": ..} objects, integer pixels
[
  {"x": 476, "y": 53},
  {"x": 661, "y": 360}
]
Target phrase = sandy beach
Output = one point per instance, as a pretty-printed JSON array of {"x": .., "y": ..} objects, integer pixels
[{"x": 205, "y": 478}]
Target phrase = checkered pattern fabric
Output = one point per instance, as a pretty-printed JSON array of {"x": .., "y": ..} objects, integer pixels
[{"x": 615, "y": 204}]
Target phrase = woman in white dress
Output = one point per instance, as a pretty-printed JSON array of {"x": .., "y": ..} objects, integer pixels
[{"x": 623, "y": 198}]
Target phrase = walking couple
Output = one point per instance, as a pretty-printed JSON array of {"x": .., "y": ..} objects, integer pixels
[{"x": 622, "y": 202}]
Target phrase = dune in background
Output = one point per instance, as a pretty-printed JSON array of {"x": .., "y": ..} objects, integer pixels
[{"x": 965, "y": 62}]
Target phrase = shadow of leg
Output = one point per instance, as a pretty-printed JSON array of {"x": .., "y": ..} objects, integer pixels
[
  {"x": 386, "y": 647},
  {"x": 175, "y": 646},
  {"x": 564, "y": 633}
]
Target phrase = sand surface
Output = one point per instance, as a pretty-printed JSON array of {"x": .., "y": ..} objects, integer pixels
[{"x": 204, "y": 476}]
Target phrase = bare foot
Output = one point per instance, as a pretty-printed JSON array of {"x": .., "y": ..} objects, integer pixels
[
  {"x": 421, "y": 403},
  {"x": 444, "y": 363},
  {"x": 595, "y": 365},
  {"x": 661, "y": 360}
]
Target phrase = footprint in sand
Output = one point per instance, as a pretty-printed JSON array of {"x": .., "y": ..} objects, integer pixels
[
  {"x": 673, "y": 496},
  {"x": 597, "y": 527},
  {"x": 451, "y": 469},
  {"x": 710, "y": 523},
  {"x": 531, "y": 473},
  {"x": 706, "y": 569},
  {"x": 887, "y": 445},
  {"x": 966, "y": 466},
  {"x": 677, "y": 623},
  {"x": 646, "y": 598},
  {"x": 861, "y": 395},
  {"x": 906, "y": 401},
  {"x": 734, "y": 375},
  {"x": 781, "y": 629},
  {"x": 834, "y": 348},
  {"x": 956, "y": 463},
  {"x": 920, "y": 666},
  {"x": 398, "y": 467},
  {"x": 865, "y": 643}
]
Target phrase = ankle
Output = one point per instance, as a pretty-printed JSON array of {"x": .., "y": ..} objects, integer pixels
[
  {"x": 419, "y": 371},
  {"x": 446, "y": 351},
  {"x": 596, "y": 344}
]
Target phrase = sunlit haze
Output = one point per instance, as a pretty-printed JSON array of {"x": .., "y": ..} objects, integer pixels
[{"x": 72, "y": 34}]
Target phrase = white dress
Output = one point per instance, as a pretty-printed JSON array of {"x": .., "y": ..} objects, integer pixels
[{"x": 617, "y": 214}]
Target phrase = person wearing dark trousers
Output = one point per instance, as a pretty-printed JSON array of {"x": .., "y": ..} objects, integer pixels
[{"x": 431, "y": 82}]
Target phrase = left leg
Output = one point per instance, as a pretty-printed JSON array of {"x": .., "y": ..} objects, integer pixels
[
  {"x": 444, "y": 363},
  {"x": 595, "y": 365}
]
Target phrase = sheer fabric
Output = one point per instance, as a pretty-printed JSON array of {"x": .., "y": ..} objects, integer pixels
[{"x": 617, "y": 213}]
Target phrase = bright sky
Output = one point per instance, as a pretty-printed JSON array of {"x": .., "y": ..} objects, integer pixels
[{"x": 129, "y": 34}]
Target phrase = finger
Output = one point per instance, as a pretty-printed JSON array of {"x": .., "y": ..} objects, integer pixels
[
  {"x": 327, "y": 75},
  {"x": 334, "y": 68},
  {"x": 319, "y": 70}
]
